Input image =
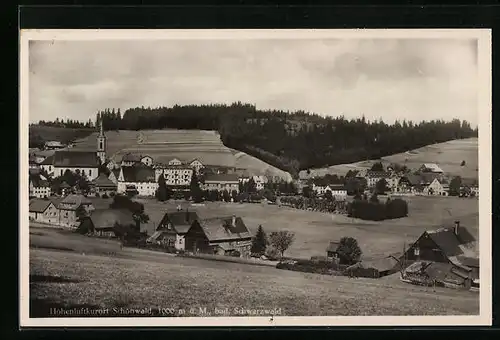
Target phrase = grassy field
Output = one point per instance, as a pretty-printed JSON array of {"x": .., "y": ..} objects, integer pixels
[
  {"x": 183, "y": 144},
  {"x": 142, "y": 279},
  {"x": 448, "y": 156},
  {"x": 314, "y": 230}
]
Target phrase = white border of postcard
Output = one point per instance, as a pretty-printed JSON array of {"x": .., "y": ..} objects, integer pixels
[{"x": 483, "y": 37}]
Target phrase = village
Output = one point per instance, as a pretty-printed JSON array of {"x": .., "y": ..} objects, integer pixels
[{"x": 65, "y": 183}]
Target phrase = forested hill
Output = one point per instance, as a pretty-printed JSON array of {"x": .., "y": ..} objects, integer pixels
[{"x": 292, "y": 141}]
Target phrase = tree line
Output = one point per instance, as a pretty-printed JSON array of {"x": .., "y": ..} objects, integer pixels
[
  {"x": 292, "y": 141},
  {"x": 68, "y": 123}
]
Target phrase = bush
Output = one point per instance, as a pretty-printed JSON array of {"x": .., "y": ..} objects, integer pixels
[
  {"x": 376, "y": 211},
  {"x": 309, "y": 266}
]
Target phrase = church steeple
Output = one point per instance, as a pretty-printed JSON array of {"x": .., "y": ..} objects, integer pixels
[{"x": 101, "y": 144}]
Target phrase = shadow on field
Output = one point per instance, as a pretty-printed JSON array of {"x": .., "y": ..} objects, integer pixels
[
  {"x": 32, "y": 245},
  {"x": 51, "y": 279}
]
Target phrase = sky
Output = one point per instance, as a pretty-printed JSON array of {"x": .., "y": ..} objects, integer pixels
[{"x": 389, "y": 79}]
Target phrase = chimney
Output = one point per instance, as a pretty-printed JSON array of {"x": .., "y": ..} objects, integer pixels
[
  {"x": 233, "y": 221},
  {"x": 455, "y": 228}
]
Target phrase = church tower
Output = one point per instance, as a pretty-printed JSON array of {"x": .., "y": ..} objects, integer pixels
[{"x": 101, "y": 145}]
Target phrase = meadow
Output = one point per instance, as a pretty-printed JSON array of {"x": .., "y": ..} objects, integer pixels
[
  {"x": 186, "y": 145},
  {"x": 448, "y": 155},
  {"x": 150, "y": 280},
  {"x": 314, "y": 230}
]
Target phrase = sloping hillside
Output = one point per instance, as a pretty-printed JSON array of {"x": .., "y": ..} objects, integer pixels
[
  {"x": 186, "y": 145},
  {"x": 41, "y": 134},
  {"x": 448, "y": 155}
]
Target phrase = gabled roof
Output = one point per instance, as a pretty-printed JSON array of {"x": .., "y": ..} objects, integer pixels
[
  {"x": 468, "y": 261},
  {"x": 64, "y": 185},
  {"x": 221, "y": 178},
  {"x": 138, "y": 174},
  {"x": 332, "y": 246},
  {"x": 433, "y": 167},
  {"x": 378, "y": 174},
  {"x": 79, "y": 159},
  {"x": 181, "y": 220},
  {"x": 74, "y": 201},
  {"x": 220, "y": 229},
  {"x": 448, "y": 241},
  {"x": 48, "y": 161},
  {"x": 106, "y": 218},
  {"x": 39, "y": 205},
  {"x": 103, "y": 181}
]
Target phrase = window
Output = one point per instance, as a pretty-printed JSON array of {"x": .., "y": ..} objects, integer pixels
[
  {"x": 416, "y": 251},
  {"x": 90, "y": 172},
  {"x": 83, "y": 172}
]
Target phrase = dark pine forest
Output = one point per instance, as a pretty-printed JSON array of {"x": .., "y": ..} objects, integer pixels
[{"x": 292, "y": 141}]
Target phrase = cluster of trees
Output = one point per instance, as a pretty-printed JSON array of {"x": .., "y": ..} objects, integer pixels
[
  {"x": 68, "y": 123},
  {"x": 73, "y": 179},
  {"x": 297, "y": 140},
  {"x": 374, "y": 210},
  {"x": 111, "y": 120},
  {"x": 329, "y": 204},
  {"x": 349, "y": 251},
  {"x": 137, "y": 209},
  {"x": 277, "y": 243},
  {"x": 281, "y": 187}
]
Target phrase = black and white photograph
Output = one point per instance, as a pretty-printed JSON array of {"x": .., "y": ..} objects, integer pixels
[{"x": 255, "y": 177}]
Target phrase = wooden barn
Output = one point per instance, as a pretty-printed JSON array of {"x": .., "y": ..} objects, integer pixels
[
  {"x": 375, "y": 268},
  {"x": 221, "y": 236},
  {"x": 102, "y": 222}
]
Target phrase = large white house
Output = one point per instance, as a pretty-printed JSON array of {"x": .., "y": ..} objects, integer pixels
[
  {"x": 138, "y": 178},
  {"x": 372, "y": 177},
  {"x": 38, "y": 186},
  {"x": 43, "y": 210},
  {"x": 221, "y": 182},
  {"x": 175, "y": 175},
  {"x": 438, "y": 187},
  {"x": 85, "y": 163}
]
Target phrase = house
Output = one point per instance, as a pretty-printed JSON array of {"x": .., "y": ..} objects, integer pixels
[
  {"x": 48, "y": 165},
  {"x": 469, "y": 187},
  {"x": 130, "y": 159},
  {"x": 71, "y": 208},
  {"x": 321, "y": 186},
  {"x": 40, "y": 156},
  {"x": 173, "y": 227},
  {"x": 147, "y": 160},
  {"x": 438, "y": 187},
  {"x": 222, "y": 236},
  {"x": 84, "y": 162},
  {"x": 408, "y": 184},
  {"x": 431, "y": 167},
  {"x": 103, "y": 221},
  {"x": 103, "y": 185},
  {"x": 331, "y": 250},
  {"x": 446, "y": 245},
  {"x": 43, "y": 210},
  {"x": 39, "y": 186},
  {"x": 65, "y": 188},
  {"x": 175, "y": 175},
  {"x": 375, "y": 268},
  {"x": 260, "y": 180},
  {"x": 197, "y": 165},
  {"x": 112, "y": 165},
  {"x": 373, "y": 177},
  {"x": 139, "y": 178},
  {"x": 174, "y": 161},
  {"x": 221, "y": 182}
]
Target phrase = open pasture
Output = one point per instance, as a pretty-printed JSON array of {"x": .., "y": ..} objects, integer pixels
[
  {"x": 448, "y": 155},
  {"x": 314, "y": 230},
  {"x": 186, "y": 145},
  {"x": 70, "y": 279}
]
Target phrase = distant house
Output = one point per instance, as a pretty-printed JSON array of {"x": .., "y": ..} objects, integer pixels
[
  {"x": 221, "y": 182},
  {"x": 222, "y": 236},
  {"x": 103, "y": 221},
  {"x": 112, "y": 165},
  {"x": 43, "y": 210},
  {"x": 69, "y": 209},
  {"x": 175, "y": 175},
  {"x": 84, "y": 162},
  {"x": 174, "y": 161},
  {"x": 147, "y": 160},
  {"x": 48, "y": 165},
  {"x": 197, "y": 165},
  {"x": 431, "y": 167},
  {"x": 39, "y": 186},
  {"x": 103, "y": 185},
  {"x": 373, "y": 177},
  {"x": 260, "y": 180},
  {"x": 375, "y": 268},
  {"x": 438, "y": 187},
  {"x": 331, "y": 250},
  {"x": 130, "y": 159},
  {"x": 173, "y": 227},
  {"x": 320, "y": 186},
  {"x": 409, "y": 184},
  {"x": 447, "y": 245},
  {"x": 138, "y": 178},
  {"x": 469, "y": 187}
]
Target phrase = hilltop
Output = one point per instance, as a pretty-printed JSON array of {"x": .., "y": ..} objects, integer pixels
[
  {"x": 39, "y": 134},
  {"x": 186, "y": 145},
  {"x": 448, "y": 155}
]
